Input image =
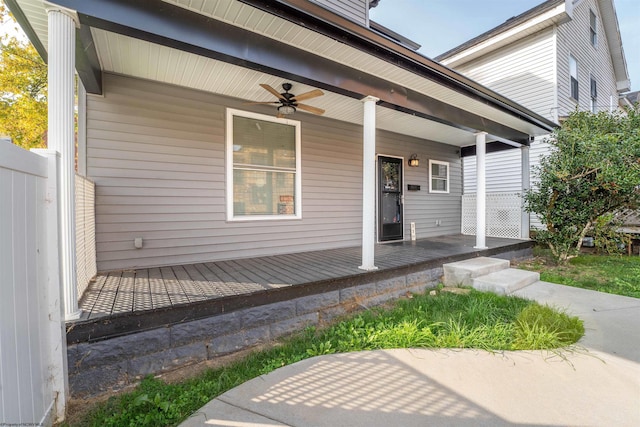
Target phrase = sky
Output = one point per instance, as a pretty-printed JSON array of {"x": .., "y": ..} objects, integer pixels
[{"x": 439, "y": 25}]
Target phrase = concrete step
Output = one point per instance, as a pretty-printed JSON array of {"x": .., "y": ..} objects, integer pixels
[
  {"x": 462, "y": 273},
  {"x": 505, "y": 282}
]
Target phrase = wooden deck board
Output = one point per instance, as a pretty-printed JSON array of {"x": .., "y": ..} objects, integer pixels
[
  {"x": 142, "y": 288},
  {"x": 124, "y": 297},
  {"x": 159, "y": 295},
  {"x": 153, "y": 288}
]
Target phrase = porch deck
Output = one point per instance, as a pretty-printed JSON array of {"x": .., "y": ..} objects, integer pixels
[{"x": 146, "y": 289}]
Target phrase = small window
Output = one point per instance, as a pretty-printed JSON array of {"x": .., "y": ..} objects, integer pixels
[
  {"x": 438, "y": 176},
  {"x": 263, "y": 167},
  {"x": 593, "y": 34},
  {"x": 594, "y": 95},
  {"x": 573, "y": 71}
]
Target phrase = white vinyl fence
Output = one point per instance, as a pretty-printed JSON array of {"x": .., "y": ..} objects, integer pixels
[
  {"x": 32, "y": 340},
  {"x": 504, "y": 215}
]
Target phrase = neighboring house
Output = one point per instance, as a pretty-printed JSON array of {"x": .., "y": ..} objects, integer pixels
[
  {"x": 188, "y": 170},
  {"x": 559, "y": 56}
]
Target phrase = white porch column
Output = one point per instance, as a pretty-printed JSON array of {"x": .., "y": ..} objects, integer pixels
[
  {"x": 526, "y": 184},
  {"x": 369, "y": 184},
  {"x": 62, "y": 41},
  {"x": 481, "y": 192}
]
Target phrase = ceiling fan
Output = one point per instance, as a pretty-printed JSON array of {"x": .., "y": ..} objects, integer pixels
[{"x": 289, "y": 103}]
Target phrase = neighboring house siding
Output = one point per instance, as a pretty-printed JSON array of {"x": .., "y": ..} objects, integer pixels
[
  {"x": 573, "y": 39},
  {"x": 504, "y": 168},
  {"x": 518, "y": 70},
  {"x": 355, "y": 10},
  {"x": 156, "y": 154},
  {"x": 523, "y": 71}
]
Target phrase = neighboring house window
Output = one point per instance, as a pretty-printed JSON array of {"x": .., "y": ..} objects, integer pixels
[
  {"x": 573, "y": 71},
  {"x": 263, "y": 167},
  {"x": 438, "y": 176},
  {"x": 592, "y": 28},
  {"x": 594, "y": 95}
]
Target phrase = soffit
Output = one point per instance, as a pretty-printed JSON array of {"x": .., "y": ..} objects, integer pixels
[{"x": 133, "y": 57}]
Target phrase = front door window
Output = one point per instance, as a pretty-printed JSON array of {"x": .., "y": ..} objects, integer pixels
[{"x": 390, "y": 199}]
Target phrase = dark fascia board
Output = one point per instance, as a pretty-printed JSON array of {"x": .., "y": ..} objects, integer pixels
[
  {"x": 509, "y": 23},
  {"x": 492, "y": 147},
  {"x": 165, "y": 24},
  {"x": 27, "y": 28},
  {"x": 87, "y": 64}
]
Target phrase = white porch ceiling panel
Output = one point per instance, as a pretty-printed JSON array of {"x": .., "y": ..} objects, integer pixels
[{"x": 128, "y": 56}]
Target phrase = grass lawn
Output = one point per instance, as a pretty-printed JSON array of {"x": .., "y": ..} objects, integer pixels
[
  {"x": 605, "y": 273},
  {"x": 471, "y": 320}
]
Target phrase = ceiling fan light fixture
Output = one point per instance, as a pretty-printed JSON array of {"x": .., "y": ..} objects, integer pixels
[{"x": 286, "y": 109}]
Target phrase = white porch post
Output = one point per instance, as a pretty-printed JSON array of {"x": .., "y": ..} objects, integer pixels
[
  {"x": 369, "y": 184},
  {"x": 481, "y": 192},
  {"x": 526, "y": 184},
  {"x": 62, "y": 40}
]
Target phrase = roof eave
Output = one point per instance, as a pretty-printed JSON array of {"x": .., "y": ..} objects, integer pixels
[
  {"x": 551, "y": 12},
  {"x": 614, "y": 40}
]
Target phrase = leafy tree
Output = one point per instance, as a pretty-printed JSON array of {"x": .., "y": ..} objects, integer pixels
[
  {"x": 593, "y": 169},
  {"x": 23, "y": 90}
]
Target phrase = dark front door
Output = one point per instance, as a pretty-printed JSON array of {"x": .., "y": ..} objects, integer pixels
[{"x": 389, "y": 199}]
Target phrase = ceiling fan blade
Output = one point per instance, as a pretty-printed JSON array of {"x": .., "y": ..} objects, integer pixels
[
  {"x": 309, "y": 108},
  {"x": 271, "y": 90},
  {"x": 308, "y": 95},
  {"x": 260, "y": 103}
]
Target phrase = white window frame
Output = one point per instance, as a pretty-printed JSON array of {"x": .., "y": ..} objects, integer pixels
[
  {"x": 573, "y": 61},
  {"x": 438, "y": 162},
  {"x": 230, "y": 167}
]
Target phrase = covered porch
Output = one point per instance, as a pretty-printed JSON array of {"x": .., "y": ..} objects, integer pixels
[{"x": 122, "y": 302}]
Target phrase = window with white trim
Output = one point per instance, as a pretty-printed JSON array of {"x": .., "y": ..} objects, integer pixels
[
  {"x": 594, "y": 95},
  {"x": 573, "y": 72},
  {"x": 593, "y": 34},
  {"x": 263, "y": 167},
  {"x": 438, "y": 176}
]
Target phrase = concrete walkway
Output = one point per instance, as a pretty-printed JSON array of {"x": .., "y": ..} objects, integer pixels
[{"x": 595, "y": 385}]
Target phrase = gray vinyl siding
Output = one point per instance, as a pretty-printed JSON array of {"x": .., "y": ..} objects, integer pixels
[
  {"x": 422, "y": 207},
  {"x": 156, "y": 153},
  {"x": 522, "y": 71},
  {"x": 573, "y": 39},
  {"x": 355, "y": 10}
]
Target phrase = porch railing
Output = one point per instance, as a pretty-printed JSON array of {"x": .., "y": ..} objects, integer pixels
[
  {"x": 503, "y": 215},
  {"x": 85, "y": 233}
]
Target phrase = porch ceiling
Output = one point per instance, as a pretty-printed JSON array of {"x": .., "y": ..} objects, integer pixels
[{"x": 129, "y": 55}]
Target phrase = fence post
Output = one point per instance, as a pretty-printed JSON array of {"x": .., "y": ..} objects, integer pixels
[
  {"x": 57, "y": 352},
  {"x": 525, "y": 221}
]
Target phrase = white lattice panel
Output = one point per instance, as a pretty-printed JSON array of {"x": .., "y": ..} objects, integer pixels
[{"x": 503, "y": 215}]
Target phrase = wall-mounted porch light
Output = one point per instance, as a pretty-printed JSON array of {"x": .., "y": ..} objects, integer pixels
[{"x": 414, "y": 161}]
